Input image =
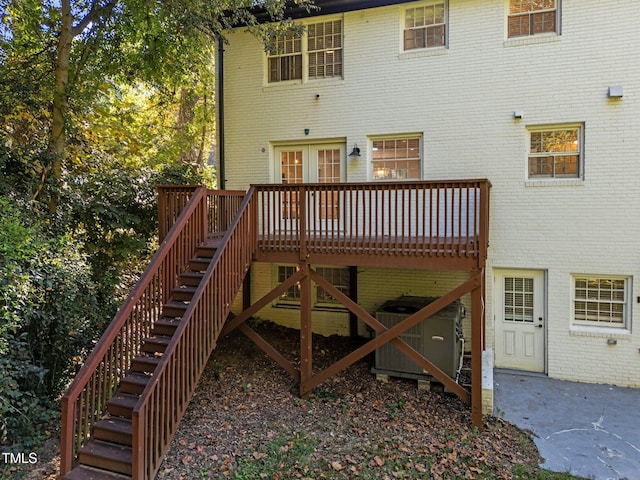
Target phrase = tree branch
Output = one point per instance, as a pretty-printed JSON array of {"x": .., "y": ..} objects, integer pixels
[{"x": 96, "y": 12}]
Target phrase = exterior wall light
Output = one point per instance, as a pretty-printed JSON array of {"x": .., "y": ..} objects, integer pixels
[{"x": 355, "y": 152}]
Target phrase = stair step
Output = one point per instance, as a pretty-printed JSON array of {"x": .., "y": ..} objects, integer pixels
[
  {"x": 165, "y": 326},
  {"x": 87, "y": 473},
  {"x": 174, "y": 309},
  {"x": 207, "y": 251},
  {"x": 144, "y": 364},
  {"x": 156, "y": 344},
  {"x": 107, "y": 456},
  {"x": 122, "y": 404},
  {"x": 191, "y": 278},
  {"x": 183, "y": 293},
  {"x": 113, "y": 430},
  {"x": 199, "y": 264},
  {"x": 134, "y": 383}
]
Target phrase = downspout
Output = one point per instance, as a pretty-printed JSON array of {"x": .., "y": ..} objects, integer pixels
[{"x": 220, "y": 112}]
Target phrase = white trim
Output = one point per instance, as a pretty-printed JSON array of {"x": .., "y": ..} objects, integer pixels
[
  {"x": 267, "y": 85},
  {"x": 422, "y": 51},
  {"x": 605, "y": 328}
]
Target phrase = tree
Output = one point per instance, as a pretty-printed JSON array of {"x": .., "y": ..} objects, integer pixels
[{"x": 85, "y": 43}]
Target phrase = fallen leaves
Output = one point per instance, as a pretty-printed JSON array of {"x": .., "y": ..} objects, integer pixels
[{"x": 252, "y": 424}]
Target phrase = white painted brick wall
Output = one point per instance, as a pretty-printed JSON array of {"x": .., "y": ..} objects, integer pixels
[{"x": 461, "y": 101}]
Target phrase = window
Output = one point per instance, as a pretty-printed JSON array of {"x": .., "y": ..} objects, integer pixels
[
  {"x": 316, "y": 54},
  {"x": 530, "y": 17},
  {"x": 555, "y": 152},
  {"x": 425, "y": 26},
  {"x": 286, "y": 63},
  {"x": 601, "y": 301},
  {"x": 292, "y": 295},
  {"x": 518, "y": 300},
  {"x": 324, "y": 47},
  {"x": 396, "y": 158},
  {"x": 336, "y": 276}
]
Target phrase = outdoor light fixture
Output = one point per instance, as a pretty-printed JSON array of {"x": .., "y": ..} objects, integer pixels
[
  {"x": 517, "y": 114},
  {"x": 356, "y": 151}
]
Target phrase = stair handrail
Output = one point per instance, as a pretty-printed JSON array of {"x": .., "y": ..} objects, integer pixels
[
  {"x": 111, "y": 358},
  {"x": 152, "y": 436}
]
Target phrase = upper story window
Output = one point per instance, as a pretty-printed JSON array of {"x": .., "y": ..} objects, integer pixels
[
  {"x": 601, "y": 301},
  {"x": 286, "y": 62},
  {"x": 315, "y": 54},
  {"x": 425, "y": 26},
  {"x": 324, "y": 49},
  {"x": 396, "y": 158},
  {"x": 530, "y": 17},
  {"x": 555, "y": 152}
]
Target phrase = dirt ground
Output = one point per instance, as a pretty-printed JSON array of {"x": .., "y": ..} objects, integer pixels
[{"x": 246, "y": 420}]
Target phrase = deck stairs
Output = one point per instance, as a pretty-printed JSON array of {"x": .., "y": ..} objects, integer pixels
[{"x": 107, "y": 455}]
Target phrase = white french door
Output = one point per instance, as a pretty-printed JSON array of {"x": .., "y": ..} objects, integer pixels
[
  {"x": 519, "y": 320},
  {"x": 317, "y": 163}
]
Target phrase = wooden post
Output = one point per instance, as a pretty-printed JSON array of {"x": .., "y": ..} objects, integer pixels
[
  {"x": 477, "y": 342},
  {"x": 353, "y": 295},
  {"x": 306, "y": 336},
  {"x": 246, "y": 290}
]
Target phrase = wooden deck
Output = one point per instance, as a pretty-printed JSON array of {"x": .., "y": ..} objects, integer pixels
[
  {"x": 439, "y": 253},
  {"x": 209, "y": 240}
]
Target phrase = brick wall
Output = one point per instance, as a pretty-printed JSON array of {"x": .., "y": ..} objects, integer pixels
[{"x": 461, "y": 101}]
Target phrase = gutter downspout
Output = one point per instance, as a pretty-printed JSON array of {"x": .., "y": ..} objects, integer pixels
[{"x": 220, "y": 113}]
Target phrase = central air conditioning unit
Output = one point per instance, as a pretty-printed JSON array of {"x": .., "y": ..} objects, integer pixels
[{"x": 438, "y": 338}]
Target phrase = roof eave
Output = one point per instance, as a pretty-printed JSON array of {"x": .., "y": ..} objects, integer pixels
[{"x": 327, "y": 7}]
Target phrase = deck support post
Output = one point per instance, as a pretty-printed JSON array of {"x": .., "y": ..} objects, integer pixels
[
  {"x": 306, "y": 332},
  {"x": 477, "y": 344},
  {"x": 246, "y": 290}
]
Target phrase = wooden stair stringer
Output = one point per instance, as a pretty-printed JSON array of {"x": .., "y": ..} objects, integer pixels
[{"x": 107, "y": 454}]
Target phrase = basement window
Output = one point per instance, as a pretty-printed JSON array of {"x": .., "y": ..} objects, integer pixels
[
  {"x": 336, "y": 276},
  {"x": 601, "y": 301}
]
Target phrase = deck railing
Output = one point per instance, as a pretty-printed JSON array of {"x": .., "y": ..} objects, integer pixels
[
  {"x": 164, "y": 400},
  {"x": 222, "y": 205},
  {"x": 409, "y": 218},
  {"x": 85, "y": 400}
]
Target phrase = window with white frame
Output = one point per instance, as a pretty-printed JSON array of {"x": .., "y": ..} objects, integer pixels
[
  {"x": 555, "y": 152},
  {"x": 531, "y": 17},
  {"x": 286, "y": 61},
  {"x": 292, "y": 294},
  {"x": 601, "y": 301},
  {"x": 324, "y": 49},
  {"x": 425, "y": 26},
  {"x": 396, "y": 158},
  {"x": 314, "y": 54},
  {"x": 336, "y": 276}
]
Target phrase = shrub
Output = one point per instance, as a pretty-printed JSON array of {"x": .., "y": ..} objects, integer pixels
[{"x": 46, "y": 321}]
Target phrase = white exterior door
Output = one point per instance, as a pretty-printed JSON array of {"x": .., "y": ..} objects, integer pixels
[
  {"x": 319, "y": 163},
  {"x": 519, "y": 320}
]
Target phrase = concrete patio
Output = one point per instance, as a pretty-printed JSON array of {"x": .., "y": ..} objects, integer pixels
[{"x": 588, "y": 430}]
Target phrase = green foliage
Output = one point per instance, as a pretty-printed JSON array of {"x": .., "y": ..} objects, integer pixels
[
  {"x": 137, "y": 111},
  {"x": 46, "y": 320},
  {"x": 291, "y": 452}
]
